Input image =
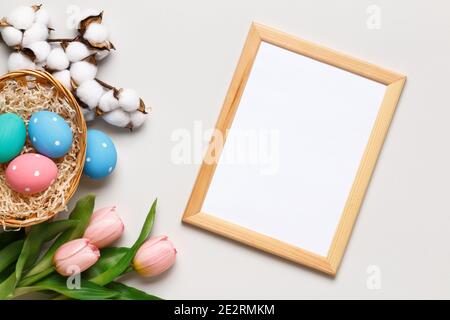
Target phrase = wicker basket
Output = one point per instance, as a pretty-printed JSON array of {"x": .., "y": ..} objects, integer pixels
[{"x": 32, "y": 78}]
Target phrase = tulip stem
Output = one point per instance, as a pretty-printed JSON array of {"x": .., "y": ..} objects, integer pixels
[
  {"x": 24, "y": 290},
  {"x": 130, "y": 269}
]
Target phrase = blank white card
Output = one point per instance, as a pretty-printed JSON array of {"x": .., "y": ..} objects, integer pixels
[{"x": 294, "y": 148}]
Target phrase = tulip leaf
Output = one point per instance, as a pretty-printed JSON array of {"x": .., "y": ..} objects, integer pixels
[
  {"x": 59, "y": 284},
  {"x": 129, "y": 293},
  {"x": 81, "y": 214},
  {"x": 109, "y": 257},
  {"x": 6, "y": 237},
  {"x": 39, "y": 235},
  {"x": 7, "y": 272},
  {"x": 7, "y": 287},
  {"x": 29, "y": 280},
  {"x": 123, "y": 264},
  {"x": 10, "y": 253}
]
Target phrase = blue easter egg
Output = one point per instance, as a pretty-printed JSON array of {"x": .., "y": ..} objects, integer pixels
[
  {"x": 50, "y": 134},
  {"x": 101, "y": 155}
]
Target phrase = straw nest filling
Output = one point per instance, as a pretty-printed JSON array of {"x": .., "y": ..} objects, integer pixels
[{"x": 24, "y": 100}]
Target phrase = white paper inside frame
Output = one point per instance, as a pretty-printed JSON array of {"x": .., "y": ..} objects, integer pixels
[{"x": 294, "y": 148}]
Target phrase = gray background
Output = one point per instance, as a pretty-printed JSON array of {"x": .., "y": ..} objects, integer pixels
[{"x": 180, "y": 55}]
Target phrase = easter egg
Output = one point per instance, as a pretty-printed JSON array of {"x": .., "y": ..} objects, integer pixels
[
  {"x": 12, "y": 136},
  {"x": 50, "y": 134},
  {"x": 101, "y": 155},
  {"x": 31, "y": 173}
]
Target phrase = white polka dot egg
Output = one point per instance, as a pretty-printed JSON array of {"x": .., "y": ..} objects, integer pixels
[
  {"x": 31, "y": 173},
  {"x": 101, "y": 155},
  {"x": 50, "y": 134}
]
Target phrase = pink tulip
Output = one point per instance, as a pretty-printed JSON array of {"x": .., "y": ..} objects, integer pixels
[
  {"x": 75, "y": 256},
  {"x": 104, "y": 228},
  {"x": 155, "y": 256}
]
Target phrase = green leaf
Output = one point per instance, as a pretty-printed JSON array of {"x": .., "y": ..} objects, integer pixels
[
  {"x": 7, "y": 272},
  {"x": 122, "y": 265},
  {"x": 29, "y": 280},
  {"x": 7, "y": 287},
  {"x": 6, "y": 237},
  {"x": 129, "y": 293},
  {"x": 109, "y": 257},
  {"x": 10, "y": 253},
  {"x": 82, "y": 214},
  {"x": 57, "y": 283},
  {"x": 39, "y": 235}
]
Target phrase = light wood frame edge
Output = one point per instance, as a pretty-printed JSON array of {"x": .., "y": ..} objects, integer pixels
[
  {"x": 394, "y": 83},
  {"x": 364, "y": 173}
]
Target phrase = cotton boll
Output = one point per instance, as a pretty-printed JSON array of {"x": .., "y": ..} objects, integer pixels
[
  {"x": 129, "y": 100},
  {"x": 137, "y": 118},
  {"x": 63, "y": 76},
  {"x": 57, "y": 59},
  {"x": 90, "y": 93},
  {"x": 82, "y": 71},
  {"x": 37, "y": 32},
  {"x": 77, "y": 51},
  {"x": 21, "y": 17},
  {"x": 42, "y": 16},
  {"x": 108, "y": 102},
  {"x": 41, "y": 50},
  {"x": 89, "y": 13},
  {"x": 96, "y": 33},
  {"x": 19, "y": 61},
  {"x": 118, "y": 118},
  {"x": 88, "y": 114},
  {"x": 11, "y": 36}
]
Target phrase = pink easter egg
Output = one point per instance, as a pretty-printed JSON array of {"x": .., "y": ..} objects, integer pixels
[{"x": 31, "y": 173}]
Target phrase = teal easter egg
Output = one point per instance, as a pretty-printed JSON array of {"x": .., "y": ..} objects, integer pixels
[
  {"x": 50, "y": 134},
  {"x": 101, "y": 155},
  {"x": 12, "y": 136}
]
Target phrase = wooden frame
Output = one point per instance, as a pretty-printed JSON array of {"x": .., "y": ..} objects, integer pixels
[{"x": 394, "y": 82}]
